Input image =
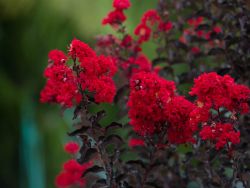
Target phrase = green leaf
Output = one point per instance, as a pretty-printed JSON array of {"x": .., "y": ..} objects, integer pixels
[
  {"x": 180, "y": 68},
  {"x": 184, "y": 148}
]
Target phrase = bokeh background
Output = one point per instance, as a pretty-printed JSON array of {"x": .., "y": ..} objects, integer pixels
[{"x": 33, "y": 134}]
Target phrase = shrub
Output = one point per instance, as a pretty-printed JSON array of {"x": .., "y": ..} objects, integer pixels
[{"x": 173, "y": 138}]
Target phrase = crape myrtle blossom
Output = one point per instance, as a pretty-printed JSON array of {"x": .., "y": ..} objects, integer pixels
[
  {"x": 220, "y": 134},
  {"x": 116, "y": 17},
  {"x": 71, "y": 174},
  {"x": 218, "y": 91},
  {"x": 94, "y": 73},
  {"x": 71, "y": 147},
  {"x": 150, "y": 21},
  {"x": 148, "y": 97}
]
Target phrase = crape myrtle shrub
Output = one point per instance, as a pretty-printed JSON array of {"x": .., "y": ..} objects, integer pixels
[{"x": 187, "y": 109}]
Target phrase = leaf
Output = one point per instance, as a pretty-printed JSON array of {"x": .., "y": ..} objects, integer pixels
[
  {"x": 224, "y": 71},
  {"x": 77, "y": 111},
  {"x": 202, "y": 27},
  {"x": 159, "y": 60},
  {"x": 193, "y": 184},
  {"x": 113, "y": 126},
  {"x": 216, "y": 51},
  {"x": 180, "y": 68},
  {"x": 113, "y": 139},
  {"x": 153, "y": 184},
  {"x": 136, "y": 162},
  {"x": 89, "y": 153},
  {"x": 120, "y": 92},
  {"x": 99, "y": 185},
  {"x": 184, "y": 148},
  {"x": 181, "y": 45},
  {"x": 94, "y": 169},
  {"x": 228, "y": 172},
  {"x": 82, "y": 130},
  {"x": 120, "y": 178}
]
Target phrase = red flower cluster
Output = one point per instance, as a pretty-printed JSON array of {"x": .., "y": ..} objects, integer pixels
[
  {"x": 148, "y": 97},
  {"x": 181, "y": 128},
  {"x": 221, "y": 134},
  {"x": 137, "y": 64},
  {"x": 195, "y": 21},
  {"x": 71, "y": 147},
  {"x": 214, "y": 92},
  {"x": 148, "y": 20},
  {"x": 116, "y": 17},
  {"x": 61, "y": 86},
  {"x": 71, "y": 174},
  {"x": 121, "y": 4},
  {"x": 217, "y": 91},
  {"x": 94, "y": 74},
  {"x": 143, "y": 31}
]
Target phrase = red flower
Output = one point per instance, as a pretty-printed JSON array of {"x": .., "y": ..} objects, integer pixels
[
  {"x": 147, "y": 100},
  {"x": 143, "y": 32},
  {"x": 195, "y": 21},
  {"x": 95, "y": 74},
  {"x": 80, "y": 50},
  {"x": 138, "y": 64},
  {"x": 217, "y": 29},
  {"x": 221, "y": 91},
  {"x": 195, "y": 50},
  {"x": 133, "y": 142},
  {"x": 151, "y": 17},
  {"x": 127, "y": 41},
  {"x": 61, "y": 86},
  {"x": 178, "y": 112},
  {"x": 166, "y": 26},
  {"x": 71, "y": 174},
  {"x": 116, "y": 17},
  {"x": 200, "y": 33},
  {"x": 97, "y": 77},
  {"x": 57, "y": 57},
  {"x": 208, "y": 35},
  {"x": 221, "y": 134},
  {"x": 121, "y": 4},
  {"x": 71, "y": 147}
]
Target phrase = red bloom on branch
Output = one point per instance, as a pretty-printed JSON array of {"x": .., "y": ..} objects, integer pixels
[
  {"x": 149, "y": 94},
  {"x": 195, "y": 21},
  {"x": 180, "y": 129},
  {"x": 167, "y": 26},
  {"x": 220, "y": 134},
  {"x": 143, "y": 32},
  {"x": 97, "y": 77},
  {"x": 57, "y": 57},
  {"x": 138, "y": 64},
  {"x": 217, "y": 29},
  {"x": 116, "y": 17},
  {"x": 151, "y": 16},
  {"x": 71, "y": 174},
  {"x": 121, "y": 4},
  {"x": 71, "y": 147},
  {"x": 133, "y": 142},
  {"x": 221, "y": 91},
  {"x": 61, "y": 86},
  {"x": 127, "y": 41},
  {"x": 80, "y": 50},
  {"x": 195, "y": 50}
]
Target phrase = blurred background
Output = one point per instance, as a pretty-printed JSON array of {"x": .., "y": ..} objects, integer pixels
[{"x": 33, "y": 134}]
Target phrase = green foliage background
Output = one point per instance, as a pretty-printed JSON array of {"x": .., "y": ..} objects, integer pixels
[{"x": 32, "y": 134}]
